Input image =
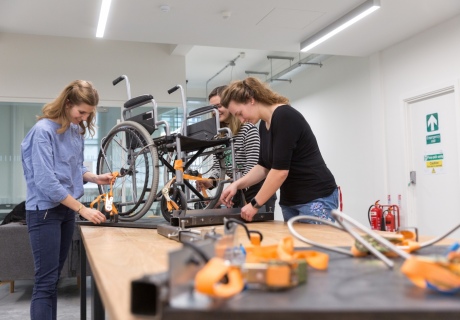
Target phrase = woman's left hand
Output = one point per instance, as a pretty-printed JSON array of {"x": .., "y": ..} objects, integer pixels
[
  {"x": 104, "y": 178},
  {"x": 248, "y": 212}
]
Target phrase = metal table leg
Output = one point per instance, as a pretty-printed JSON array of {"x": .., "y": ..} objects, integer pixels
[
  {"x": 98, "y": 312},
  {"x": 82, "y": 281},
  {"x": 97, "y": 308}
]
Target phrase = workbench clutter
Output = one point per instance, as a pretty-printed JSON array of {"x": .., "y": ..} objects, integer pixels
[
  {"x": 213, "y": 269},
  {"x": 438, "y": 273},
  {"x": 271, "y": 267},
  {"x": 218, "y": 267}
]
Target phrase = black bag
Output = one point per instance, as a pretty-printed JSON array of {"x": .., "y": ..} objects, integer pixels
[{"x": 18, "y": 214}]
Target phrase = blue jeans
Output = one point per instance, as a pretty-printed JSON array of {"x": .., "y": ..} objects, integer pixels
[
  {"x": 320, "y": 208},
  {"x": 50, "y": 233}
]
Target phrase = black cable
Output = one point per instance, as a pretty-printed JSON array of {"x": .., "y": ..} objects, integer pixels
[
  {"x": 248, "y": 232},
  {"x": 197, "y": 249}
]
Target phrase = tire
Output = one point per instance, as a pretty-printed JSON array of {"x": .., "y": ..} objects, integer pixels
[
  {"x": 204, "y": 167},
  {"x": 129, "y": 149},
  {"x": 178, "y": 197}
]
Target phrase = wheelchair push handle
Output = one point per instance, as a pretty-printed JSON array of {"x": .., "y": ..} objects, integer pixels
[
  {"x": 173, "y": 89},
  {"x": 128, "y": 86},
  {"x": 118, "y": 80}
]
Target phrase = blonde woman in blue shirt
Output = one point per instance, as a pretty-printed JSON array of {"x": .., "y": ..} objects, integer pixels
[{"x": 52, "y": 159}]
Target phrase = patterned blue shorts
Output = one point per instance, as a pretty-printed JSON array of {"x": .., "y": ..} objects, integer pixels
[{"x": 320, "y": 208}]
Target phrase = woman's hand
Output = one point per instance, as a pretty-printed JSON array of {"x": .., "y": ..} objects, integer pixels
[
  {"x": 227, "y": 195},
  {"x": 248, "y": 212},
  {"x": 93, "y": 215},
  {"x": 203, "y": 184},
  {"x": 104, "y": 178}
]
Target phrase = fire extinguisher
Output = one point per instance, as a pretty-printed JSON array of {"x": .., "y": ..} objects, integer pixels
[
  {"x": 375, "y": 216},
  {"x": 389, "y": 221}
]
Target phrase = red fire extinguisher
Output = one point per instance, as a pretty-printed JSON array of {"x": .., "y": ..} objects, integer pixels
[
  {"x": 389, "y": 221},
  {"x": 375, "y": 216}
]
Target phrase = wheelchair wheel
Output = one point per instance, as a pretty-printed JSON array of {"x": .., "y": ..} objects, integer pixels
[
  {"x": 129, "y": 149},
  {"x": 204, "y": 167},
  {"x": 178, "y": 196}
]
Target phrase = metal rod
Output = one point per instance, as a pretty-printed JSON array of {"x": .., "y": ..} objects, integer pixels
[
  {"x": 311, "y": 242},
  {"x": 231, "y": 63},
  {"x": 431, "y": 242},
  {"x": 280, "y": 57},
  {"x": 286, "y": 80},
  {"x": 312, "y": 63},
  {"x": 340, "y": 215},
  {"x": 306, "y": 61},
  {"x": 257, "y": 72}
]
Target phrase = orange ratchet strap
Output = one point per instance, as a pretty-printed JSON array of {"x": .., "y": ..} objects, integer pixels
[
  {"x": 107, "y": 198},
  {"x": 208, "y": 279},
  {"x": 271, "y": 267},
  {"x": 440, "y": 274},
  {"x": 284, "y": 251}
]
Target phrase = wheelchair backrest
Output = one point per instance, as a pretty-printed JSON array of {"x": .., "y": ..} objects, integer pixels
[
  {"x": 205, "y": 129},
  {"x": 146, "y": 119}
]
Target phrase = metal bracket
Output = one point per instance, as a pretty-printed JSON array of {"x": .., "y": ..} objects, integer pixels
[{"x": 197, "y": 218}]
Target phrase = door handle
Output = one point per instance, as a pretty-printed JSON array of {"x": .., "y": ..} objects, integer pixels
[{"x": 413, "y": 177}]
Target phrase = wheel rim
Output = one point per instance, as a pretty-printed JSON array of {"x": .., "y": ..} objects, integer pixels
[
  {"x": 204, "y": 166},
  {"x": 128, "y": 149},
  {"x": 178, "y": 197}
]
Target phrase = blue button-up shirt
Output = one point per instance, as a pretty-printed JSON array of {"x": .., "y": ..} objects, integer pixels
[{"x": 52, "y": 164}]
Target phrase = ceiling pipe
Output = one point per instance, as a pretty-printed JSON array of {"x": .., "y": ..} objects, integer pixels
[
  {"x": 231, "y": 63},
  {"x": 313, "y": 59}
]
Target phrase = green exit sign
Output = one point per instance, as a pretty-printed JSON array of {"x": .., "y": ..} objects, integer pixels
[
  {"x": 433, "y": 138},
  {"x": 432, "y": 123},
  {"x": 434, "y": 157}
]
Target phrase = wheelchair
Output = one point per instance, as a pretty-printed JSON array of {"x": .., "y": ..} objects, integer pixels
[{"x": 186, "y": 156}]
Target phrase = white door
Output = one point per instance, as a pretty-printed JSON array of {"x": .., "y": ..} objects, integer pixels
[{"x": 434, "y": 158}]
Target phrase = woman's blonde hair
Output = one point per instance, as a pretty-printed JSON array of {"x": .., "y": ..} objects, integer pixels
[
  {"x": 77, "y": 92},
  {"x": 242, "y": 91},
  {"x": 233, "y": 123}
]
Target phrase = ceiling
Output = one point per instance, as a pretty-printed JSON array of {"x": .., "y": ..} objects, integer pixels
[{"x": 209, "y": 39}]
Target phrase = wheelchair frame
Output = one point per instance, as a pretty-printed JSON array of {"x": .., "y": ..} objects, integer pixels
[{"x": 140, "y": 154}]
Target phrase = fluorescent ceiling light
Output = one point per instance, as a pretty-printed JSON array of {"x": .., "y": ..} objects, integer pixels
[
  {"x": 340, "y": 24},
  {"x": 105, "y": 7}
]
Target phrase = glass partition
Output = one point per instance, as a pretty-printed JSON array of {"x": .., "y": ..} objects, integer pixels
[{"x": 18, "y": 118}]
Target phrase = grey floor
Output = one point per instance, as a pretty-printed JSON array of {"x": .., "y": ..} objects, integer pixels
[{"x": 15, "y": 306}]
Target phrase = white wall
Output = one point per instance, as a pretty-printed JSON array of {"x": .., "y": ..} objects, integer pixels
[
  {"x": 429, "y": 60},
  {"x": 37, "y": 68},
  {"x": 336, "y": 100},
  {"x": 423, "y": 63},
  {"x": 354, "y": 106}
]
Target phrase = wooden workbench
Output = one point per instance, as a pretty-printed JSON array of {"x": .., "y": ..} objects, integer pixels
[{"x": 120, "y": 255}]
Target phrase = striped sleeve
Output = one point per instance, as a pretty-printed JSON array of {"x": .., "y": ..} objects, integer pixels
[
  {"x": 247, "y": 150},
  {"x": 247, "y": 146}
]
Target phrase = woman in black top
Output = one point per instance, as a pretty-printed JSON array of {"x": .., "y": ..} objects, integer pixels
[
  {"x": 289, "y": 159},
  {"x": 246, "y": 145}
]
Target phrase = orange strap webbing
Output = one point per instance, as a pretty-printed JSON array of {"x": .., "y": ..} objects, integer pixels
[
  {"x": 285, "y": 251},
  {"x": 440, "y": 275},
  {"x": 208, "y": 279}
]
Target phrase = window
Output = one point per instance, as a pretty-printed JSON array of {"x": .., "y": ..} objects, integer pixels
[{"x": 18, "y": 118}]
